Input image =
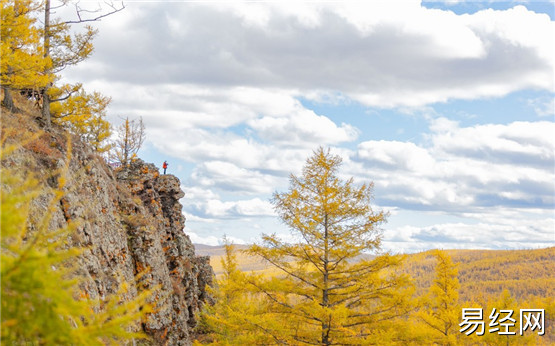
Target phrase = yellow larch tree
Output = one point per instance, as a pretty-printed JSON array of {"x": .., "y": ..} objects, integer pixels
[
  {"x": 441, "y": 312},
  {"x": 237, "y": 312},
  {"x": 502, "y": 322},
  {"x": 34, "y": 53},
  {"x": 85, "y": 115},
  {"x": 23, "y": 63},
  {"x": 130, "y": 137},
  {"x": 66, "y": 47},
  {"x": 330, "y": 292}
]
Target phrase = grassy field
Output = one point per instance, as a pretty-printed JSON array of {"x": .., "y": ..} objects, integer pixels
[{"x": 246, "y": 263}]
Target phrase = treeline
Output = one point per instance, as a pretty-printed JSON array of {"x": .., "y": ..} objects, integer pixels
[{"x": 524, "y": 273}]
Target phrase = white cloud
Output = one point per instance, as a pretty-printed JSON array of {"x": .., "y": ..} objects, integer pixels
[
  {"x": 197, "y": 193},
  {"x": 396, "y": 155},
  {"x": 218, "y": 209},
  {"x": 305, "y": 128},
  {"x": 381, "y": 54},
  {"x": 229, "y": 177},
  {"x": 508, "y": 233},
  {"x": 543, "y": 106},
  {"x": 529, "y": 143},
  {"x": 211, "y": 240},
  {"x": 461, "y": 168}
]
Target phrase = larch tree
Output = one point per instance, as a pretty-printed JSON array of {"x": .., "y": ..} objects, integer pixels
[
  {"x": 85, "y": 115},
  {"x": 65, "y": 48},
  {"x": 441, "y": 311},
  {"x": 23, "y": 63},
  {"x": 237, "y": 311},
  {"x": 35, "y": 52},
  {"x": 330, "y": 292},
  {"x": 130, "y": 137}
]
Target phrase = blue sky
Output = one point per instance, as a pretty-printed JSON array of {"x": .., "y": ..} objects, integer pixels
[{"x": 446, "y": 106}]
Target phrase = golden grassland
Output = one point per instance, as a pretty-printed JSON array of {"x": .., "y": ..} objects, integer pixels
[{"x": 246, "y": 263}]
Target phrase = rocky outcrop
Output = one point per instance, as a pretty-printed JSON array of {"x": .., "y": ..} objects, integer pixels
[
  {"x": 179, "y": 272},
  {"x": 128, "y": 221}
]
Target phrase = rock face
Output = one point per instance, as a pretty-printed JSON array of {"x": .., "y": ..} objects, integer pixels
[
  {"x": 129, "y": 222},
  {"x": 155, "y": 229}
]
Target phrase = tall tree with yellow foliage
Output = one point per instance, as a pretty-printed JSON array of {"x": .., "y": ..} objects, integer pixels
[
  {"x": 329, "y": 292},
  {"x": 130, "y": 137},
  {"x": 85, "y": 115},
  {"x": 441, "y": 311},
  {"x": 238, "y": 312},
  {"x": 34, "y": 53},
  {"x": 23, "y": 63},
  {"x": 64, "y": 47}
]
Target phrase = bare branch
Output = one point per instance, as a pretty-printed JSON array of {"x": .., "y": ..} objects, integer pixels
[
  {"x": 79, "y": 10},
  {"x": 65, "y": 97}
]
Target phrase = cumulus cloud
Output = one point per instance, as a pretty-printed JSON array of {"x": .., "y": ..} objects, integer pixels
[
  {"x": 484, "y": 233},
  {"x": 305, "y": 129},
  {"x": 211, "y": 240},
  {"x": 215, "y": 208},
  {"x": 461, "y": 168},
  {"x": 377, "y": 53},
  {"x": 228, "y": 176}
]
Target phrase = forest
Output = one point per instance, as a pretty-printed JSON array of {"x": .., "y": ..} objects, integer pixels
[{"x": 332, "y": 285}]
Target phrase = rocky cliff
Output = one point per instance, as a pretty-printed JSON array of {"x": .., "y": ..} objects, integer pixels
[{"x": 129, "y": 222}]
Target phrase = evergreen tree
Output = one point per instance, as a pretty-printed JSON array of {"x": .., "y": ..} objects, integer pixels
[{"x": 330, "y": 291}]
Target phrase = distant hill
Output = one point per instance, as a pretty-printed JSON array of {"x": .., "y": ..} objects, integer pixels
[
  {"x": 216, "y": 251},
  {"x": 246, "y": 262},
  {"x": 524, "y": 273}
]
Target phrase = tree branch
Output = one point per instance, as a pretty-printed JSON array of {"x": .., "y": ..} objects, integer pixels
[{"x": 79, "y": 10}]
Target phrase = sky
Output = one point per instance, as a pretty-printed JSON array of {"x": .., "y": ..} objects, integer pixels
[{"x": 447, "y": 107}]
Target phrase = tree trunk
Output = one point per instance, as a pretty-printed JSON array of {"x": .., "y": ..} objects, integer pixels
[
  {"x": 8, "y": 100},
  {"x": 45, "y": 97},
  {"x": 326, "y": 325},
  {"x": 46, "y": 107},
  {"x": 126, "y": 146}
]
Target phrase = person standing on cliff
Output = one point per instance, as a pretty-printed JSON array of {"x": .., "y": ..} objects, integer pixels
[{"x": 165, "y": 166}]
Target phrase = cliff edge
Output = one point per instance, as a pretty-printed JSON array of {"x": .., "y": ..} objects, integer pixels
[{"x": 129, "y": 222}]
